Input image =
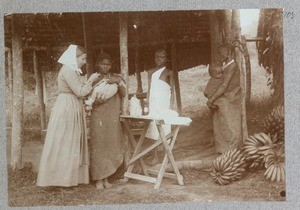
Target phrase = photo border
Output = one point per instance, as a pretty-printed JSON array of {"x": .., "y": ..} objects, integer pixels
[{"x": 291, "y": 86}]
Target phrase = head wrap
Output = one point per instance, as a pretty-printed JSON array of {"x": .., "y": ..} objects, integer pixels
[{"x": 68, "y": 58}]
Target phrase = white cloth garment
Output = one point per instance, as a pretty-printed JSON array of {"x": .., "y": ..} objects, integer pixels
[
  {"x": 159, "y": 104},
  {"x": 68, "y": 58}
]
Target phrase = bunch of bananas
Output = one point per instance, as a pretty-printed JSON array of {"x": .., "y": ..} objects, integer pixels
[
  {"x": 274, "y": 123},
  {"x": 228, "y": 167},
  {"x": 255, "y": 148},
  {"x": 274, "y": 163}
]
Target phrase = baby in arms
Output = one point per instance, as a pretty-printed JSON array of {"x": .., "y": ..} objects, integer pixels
[
  {"x": 103, "y": 91},
  {"x": 216, "y": 80}
]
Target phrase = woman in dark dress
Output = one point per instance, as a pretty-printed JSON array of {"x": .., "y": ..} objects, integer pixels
[
  {"x": 227, "y": 98},
  {"x": 105, "y": 128}
]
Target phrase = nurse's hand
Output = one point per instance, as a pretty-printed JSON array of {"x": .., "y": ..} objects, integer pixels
[{"x": 94, "y": 76}]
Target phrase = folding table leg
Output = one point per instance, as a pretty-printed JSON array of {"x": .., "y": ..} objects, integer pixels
[
  {"x": 169, "y": 155},
  {"x": 137, "y": 147}
]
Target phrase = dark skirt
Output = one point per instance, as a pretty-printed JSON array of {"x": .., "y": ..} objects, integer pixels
[{"x": 106, "y": 139}]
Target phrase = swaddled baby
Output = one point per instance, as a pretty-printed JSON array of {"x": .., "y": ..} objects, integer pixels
[
  {"x": 103, "y": 91},
  {"x": 216, "y": 80}
]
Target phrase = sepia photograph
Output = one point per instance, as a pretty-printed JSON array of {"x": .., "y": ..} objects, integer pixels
[{"x": 144, "y": 107}]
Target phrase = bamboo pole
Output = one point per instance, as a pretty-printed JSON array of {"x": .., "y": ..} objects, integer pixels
[
  {"x": 18, "y": 93},
  {"x": 10, "y": 83},
  {"x": 236, "y": 28},
  {"x": 176, "y": 78},
  {"x": 39, "y": 88},
  {"x": 124, "y": 57},
  {"x": 87, "y": 36}
]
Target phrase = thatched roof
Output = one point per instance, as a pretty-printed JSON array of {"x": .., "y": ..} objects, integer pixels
[
  {"x": 270, "y": 50},
  {"x": 188, "y": 29}
]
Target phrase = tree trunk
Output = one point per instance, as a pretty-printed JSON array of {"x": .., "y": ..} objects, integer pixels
[
  {"x": 39, "y": 88},
  {"x": 88, "y": 38},
  {"x": 236, "y": 29},
  {"x": 18, "y": 93}
]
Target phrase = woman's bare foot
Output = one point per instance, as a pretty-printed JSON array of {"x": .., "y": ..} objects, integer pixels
[
  {"x": 99, "y": 185},
  {"x": 106, "y": 184}
]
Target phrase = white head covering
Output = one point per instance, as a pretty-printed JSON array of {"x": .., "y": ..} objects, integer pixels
[{"x": 68, "y": 58}]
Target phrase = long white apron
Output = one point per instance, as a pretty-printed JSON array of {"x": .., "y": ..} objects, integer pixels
[{"x": 159, "y": 103}]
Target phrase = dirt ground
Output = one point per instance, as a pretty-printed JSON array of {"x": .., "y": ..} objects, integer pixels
[{"x": 191, "y": 145}]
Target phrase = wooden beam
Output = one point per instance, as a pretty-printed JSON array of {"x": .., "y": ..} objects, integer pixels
[
  {"x": 254, "y": 39},
  {"x": 168, "y": 175},
  {"x": 123, "y": 33},
  {"x": 10, "y": 83},
  {"x": 18, "y": 93},
  {"x": 236, "y": 28},
  {"x": 88, "y": 38},
  {"x": 111, "y": 45},
  {"x": 176, "y": 78},
  {"x": 140, "y": 177},
  {"x": 39, "y": 88}
]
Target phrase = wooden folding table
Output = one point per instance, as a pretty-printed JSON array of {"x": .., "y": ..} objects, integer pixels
[{"x": 167, "y": 145}]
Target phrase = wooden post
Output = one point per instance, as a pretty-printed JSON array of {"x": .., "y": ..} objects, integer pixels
[
  {"x": 215, "y": 35},
  {"x": 44, "y": 88},
  {"x": 176, "y": 78},
  {"x": 18, "y": 93},
  {"x": 138, "y": 77},
  {"x": 39, "y": 88},
  {"x": 10, "y": 83},
  {"x": 88, "y": 38},
  {"x": 172, "y": 84},
  {"x": 124, "y": 56},
  {"x": 138, "y": 72},
  {"x": 236, "y": 29},
  {"x": 248, "y": 69}
]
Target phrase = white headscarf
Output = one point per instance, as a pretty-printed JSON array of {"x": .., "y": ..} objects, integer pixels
[{"x": 68, "y": 58}]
